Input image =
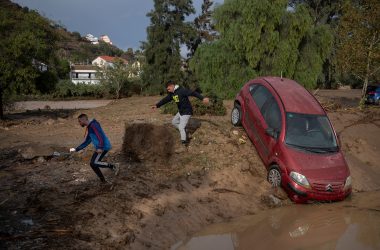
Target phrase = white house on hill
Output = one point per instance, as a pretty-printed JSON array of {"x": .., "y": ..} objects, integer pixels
[
  {"x": 106, "y": 61},
  {"x": 105, "y": 39},
  {"x": 83, "y": 74}
]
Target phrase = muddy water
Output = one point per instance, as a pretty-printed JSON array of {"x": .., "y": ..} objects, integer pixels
[{"x": 351, "y": 224}]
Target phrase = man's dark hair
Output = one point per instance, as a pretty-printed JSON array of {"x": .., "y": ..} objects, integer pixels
[
  {"x": 170, "y": 82},
  {"x": 83, "y": 116}
]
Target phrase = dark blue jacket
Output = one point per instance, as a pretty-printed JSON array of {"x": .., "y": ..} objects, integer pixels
[
  {"x": 181, "y": 97},
  {"x": 96, "y": 135}
]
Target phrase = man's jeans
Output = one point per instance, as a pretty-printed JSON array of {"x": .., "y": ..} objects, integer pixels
[{"x": 180, "y": 122}]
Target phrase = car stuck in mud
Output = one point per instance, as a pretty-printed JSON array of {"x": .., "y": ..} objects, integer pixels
[{"x": 294, "y": 138}]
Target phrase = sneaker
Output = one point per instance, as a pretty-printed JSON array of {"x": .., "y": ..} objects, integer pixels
[
  {"x": 116, "y": 168},
  {"x": 186, "y": 142}
]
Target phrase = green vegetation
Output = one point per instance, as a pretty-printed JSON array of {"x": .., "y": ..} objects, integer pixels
[
  {"x": 27, "y": 45},
  {"x": 166, "y": 33},
  {"x": 317, "y": 43},
  {"x": 67, "y": 89},
  {"x": 259, "y": 38},
  {"x": 359, "y": 41},
  {"x": 116, "y": 78},
  {"x": 35, "y": 53}
]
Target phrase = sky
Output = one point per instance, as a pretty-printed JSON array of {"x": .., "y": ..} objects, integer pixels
[{"x": 124, "y": 21}]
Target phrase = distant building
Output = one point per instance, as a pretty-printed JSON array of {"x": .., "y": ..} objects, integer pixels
[
  {"x": 93, "y": 39},
  {"x": 83, "y": 74},
  {"x": 105, "y": 39},
  {"x": 106, "y": 61}
]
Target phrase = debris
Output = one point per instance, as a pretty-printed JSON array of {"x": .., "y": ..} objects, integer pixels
[
  {"x": 225, "y": 190},
  {"x": 271, "y": 201},
  {"x": 242, "y": 141}
]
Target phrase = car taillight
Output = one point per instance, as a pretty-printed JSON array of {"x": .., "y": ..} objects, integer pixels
[{"x": 371, "y": 93}]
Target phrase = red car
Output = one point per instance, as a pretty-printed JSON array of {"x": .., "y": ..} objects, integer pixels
[{"x": 294, "y": 138}]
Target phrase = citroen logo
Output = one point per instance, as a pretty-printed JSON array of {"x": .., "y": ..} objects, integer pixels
[{"x": 329, "y": 188}]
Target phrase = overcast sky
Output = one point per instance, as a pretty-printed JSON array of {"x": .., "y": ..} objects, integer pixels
[{"x": 124, "y": 21}]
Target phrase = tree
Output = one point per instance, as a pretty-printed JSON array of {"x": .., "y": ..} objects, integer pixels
[
  {"x": 325, "y": 12},
  {"x": 321, "y": 11},
  {"x": 115, "y": 77},
  {"x": 166, "y": 33},
  {"x": 27, "y": 41},
  {"x": 359, "y": 47},
  {"x": 204, "y": 26},
  {"x": 261, "y": 38}
]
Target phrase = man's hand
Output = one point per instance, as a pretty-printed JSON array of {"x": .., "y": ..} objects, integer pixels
[
  {"x": 72, "y": 150},
  {"x": 99, "y": 151},
  {"x": 206, "y": 100}
]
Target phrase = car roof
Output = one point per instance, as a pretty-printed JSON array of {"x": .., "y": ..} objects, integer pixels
[{"x": 294, "y": 96}]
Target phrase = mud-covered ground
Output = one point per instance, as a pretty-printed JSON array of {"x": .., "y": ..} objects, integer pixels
[{"x": 161, "y": 196}]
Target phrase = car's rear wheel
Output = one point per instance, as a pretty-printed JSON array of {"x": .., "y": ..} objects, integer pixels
[
  {"x": 236, "y": 115},
  {"x": 274, "y": 176}
]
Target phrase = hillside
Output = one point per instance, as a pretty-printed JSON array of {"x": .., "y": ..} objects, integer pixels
[{"x": 69, "y": 45}]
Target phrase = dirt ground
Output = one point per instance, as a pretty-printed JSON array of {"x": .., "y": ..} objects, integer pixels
[{"x": 160, "y": 196}]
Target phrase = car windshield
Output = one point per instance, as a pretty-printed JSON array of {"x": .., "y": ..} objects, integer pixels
[{"x": 310, "y": 132}]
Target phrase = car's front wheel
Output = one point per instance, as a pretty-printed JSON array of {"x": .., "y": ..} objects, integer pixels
[
  {"x": 236, "y": 115},
  {"x": 274, "y": 176}
]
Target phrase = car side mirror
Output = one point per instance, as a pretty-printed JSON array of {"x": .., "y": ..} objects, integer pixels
[{"x": 272, "y": 132}]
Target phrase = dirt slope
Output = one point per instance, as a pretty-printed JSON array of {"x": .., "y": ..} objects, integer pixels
[{"x": 56, "y": 202}]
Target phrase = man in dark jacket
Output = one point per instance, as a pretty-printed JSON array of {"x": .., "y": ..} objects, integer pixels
[
  {"x": 96, "y": 135},
  {"x": 180, "y": 96}
]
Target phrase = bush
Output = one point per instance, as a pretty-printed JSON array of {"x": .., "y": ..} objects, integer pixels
[
  {"x": 66, "y": 88},
  {"x": 215, "y": 107},
  {"x": 46, "y": 82}
]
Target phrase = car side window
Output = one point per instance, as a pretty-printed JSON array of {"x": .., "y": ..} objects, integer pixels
[
  {"x": 272, "y": 114},
  {"x": 260, "y": 95}
]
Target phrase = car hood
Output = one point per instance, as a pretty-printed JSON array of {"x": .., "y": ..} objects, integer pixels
[{"x": 329, "y": 166}]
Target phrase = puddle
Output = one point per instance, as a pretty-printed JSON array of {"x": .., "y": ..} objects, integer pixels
[{"x": 352, "y": 224}]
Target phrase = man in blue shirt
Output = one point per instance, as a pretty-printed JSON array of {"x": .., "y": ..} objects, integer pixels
[{"x": 96, "y": 135}]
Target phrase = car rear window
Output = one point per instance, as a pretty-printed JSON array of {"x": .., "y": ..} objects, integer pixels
[{"x": 260, "y": 95}]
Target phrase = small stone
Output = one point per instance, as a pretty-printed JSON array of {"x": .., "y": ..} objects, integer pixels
[
  {"x": 245, "y": 167},
  {"x": 235, "y": 132},
  {"x": 41, "y": 159}
]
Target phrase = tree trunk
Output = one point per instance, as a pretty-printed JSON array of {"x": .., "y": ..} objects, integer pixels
[{"x": 367, "y": 73}]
